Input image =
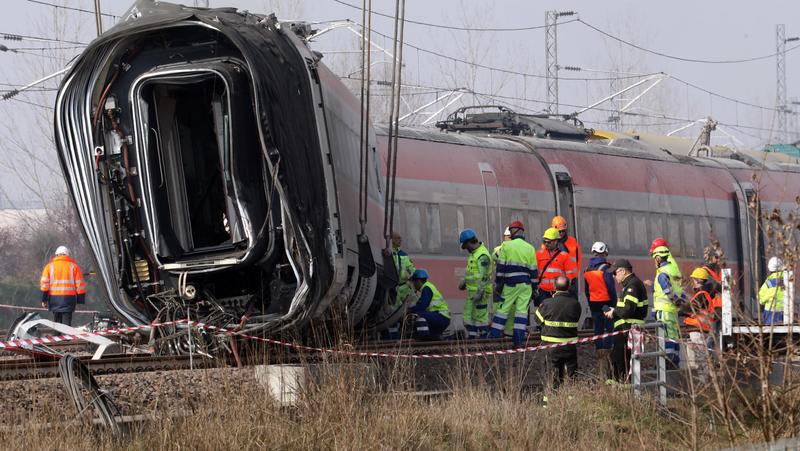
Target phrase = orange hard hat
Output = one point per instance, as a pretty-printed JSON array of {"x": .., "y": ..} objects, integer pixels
[{"x": 559, "y": 223}]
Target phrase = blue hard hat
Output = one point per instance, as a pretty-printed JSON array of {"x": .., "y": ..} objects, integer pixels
[
  {"x": 420, "y": 274},
  {"x": 466, "y": 235}
]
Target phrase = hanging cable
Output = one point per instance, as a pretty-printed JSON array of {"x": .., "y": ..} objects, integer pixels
[
  {"x": 23, "y": 37},
  {"x": 451, "y": 27},
  {"x": 366, "y": 44},
  {"x": 394, "y": 114},
  {"x": 680, "y": 58},
  {"x": 70, "y": 8}
]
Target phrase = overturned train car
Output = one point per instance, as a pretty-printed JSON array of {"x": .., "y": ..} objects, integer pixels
[{"x": 214, "y": 165}]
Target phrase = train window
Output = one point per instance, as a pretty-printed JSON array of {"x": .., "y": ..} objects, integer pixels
[
  {"x": 640, "y": 242},
  {"x": 433, "y": 231},
  {"x": 536, "y": 226},
  {"x": 674, "y": 235},
  {"x": 605, "y": 229},
  {"x": 586, "y": 228},
  {"x": 623, "y": 229},
  {"x": 722, "y": 229},
  {"x": 690, "y": 236},
  {"x": 449, "y": 227},
  {"x": 657, "y": 227},
  {"x": 475, "y": 218},
  {"x": 412, "y": 240}
]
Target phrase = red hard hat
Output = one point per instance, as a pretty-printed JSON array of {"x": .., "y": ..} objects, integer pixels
[
  {"x": 516, "y": 225},
  {"x": 658, "y": 242}
]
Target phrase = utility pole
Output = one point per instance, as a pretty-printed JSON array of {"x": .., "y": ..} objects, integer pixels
[
  {"x": 551, "y": 56},
  {"x": 781, "y": 105},
  {"x": 98, "y": 17}
]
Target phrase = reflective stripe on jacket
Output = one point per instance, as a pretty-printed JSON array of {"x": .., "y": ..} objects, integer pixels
[
  {"x": 562, "y": 264},
  {"x": 516, "y": 263},
  {"x": 431, "y": 300},
  {"x": 479, "y": 271},
  {"x": 771, "y": 293},
  {"x": 663, "y": 299},
  {"x": 403, "y": 264},
  {"x": 559, "y": 318},
  {"x": 632, "y": 303},
  {"x": 573, "y": 248},
  {"x": 703, "y": 316},
  {"x": 62, "y": 277}
]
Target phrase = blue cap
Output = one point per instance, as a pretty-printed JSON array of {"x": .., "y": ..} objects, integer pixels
[
  {"x": 420, "y": 274},
  {"x": 466, "y": 235}
]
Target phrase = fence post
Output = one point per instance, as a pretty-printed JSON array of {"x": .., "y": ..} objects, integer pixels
[
  {"x": 635, "y": 338},
  {"x": 662, "y": 365},
  {"x": 788, "y": 298},
  {"x": 727, "y": 304}
]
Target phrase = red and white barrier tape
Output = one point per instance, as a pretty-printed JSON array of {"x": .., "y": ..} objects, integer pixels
[
  {"x": 46, "y": 340},
  {"x": 39, "y": 309},
  {"x": 59, "y": 338}
]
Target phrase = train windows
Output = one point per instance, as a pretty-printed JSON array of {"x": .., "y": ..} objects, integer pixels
[
  {"x": 689, "y": 236},
  {"x": 475, "y": 218},
  {"x": 412, "y": 239},
  {"x": 586, "y": 228},
  {"x": 674, "y": 235},
  {"x": 449, "y": 228},
  {"x": 605, "y": 229},
  {"x": 623, "y": 229},
  {"x": 723, "y": 229},
  {"x": 640, "y": 240},
  {"x": 657, "y": 227},
  {"x": 433, "y": 230},
  {"x": 536, "y": 226}
]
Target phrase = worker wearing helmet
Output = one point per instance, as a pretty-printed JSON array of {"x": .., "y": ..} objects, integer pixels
[
  {"x": 432, "y": 313},
  {"x": 405, "y": 268},
  {"x": 567, "y": 243},
  {"x": 600, "y": 292},
  {"x": 704, "y": 310},
  {"x": 667, "y": 297},
  {"x": 62, "y": 286},
  {"x": 478, "y": 284},
  {"x": 509, "y": 330},
  {"x": 706, "y": 304},
  {"x": 770, "y": 296},
  {"x": 553, "y": 262},
  {"x": 659, "y": 242},
  {"x": 515, "y": 278}
]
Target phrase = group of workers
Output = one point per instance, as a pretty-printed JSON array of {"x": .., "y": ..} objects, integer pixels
[{"x": 501, "y": 285}]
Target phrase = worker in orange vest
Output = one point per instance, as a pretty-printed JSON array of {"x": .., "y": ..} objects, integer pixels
[
  {"x": 567, "y": 243},
  {"x": 552, "y": 262},
  {"x": 62, "y": 286},
  {"x": 704, "y": 312}
]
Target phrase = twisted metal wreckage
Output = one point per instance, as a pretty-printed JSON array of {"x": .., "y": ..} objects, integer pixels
[{"x": 213, "y": 164}]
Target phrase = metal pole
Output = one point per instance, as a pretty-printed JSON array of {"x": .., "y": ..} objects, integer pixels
[
  {"x": 97, "y": 17},
  {"x": 780, "y": 95},
  {"x": 662, "y": 365},
  {"x": 551, "y": 59}
]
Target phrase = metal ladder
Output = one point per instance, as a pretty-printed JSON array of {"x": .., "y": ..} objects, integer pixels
[{"x": 656, "y": 377}]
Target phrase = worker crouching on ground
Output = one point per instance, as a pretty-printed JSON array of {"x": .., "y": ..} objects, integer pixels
[
  {"x": 62, "y": 286},
  {"x": 478, "y": 284},
  {"x": 770, "y": 296},
  {"x": 515, "y": 279},
  {"x": 667, "y": 298},
  {"x": 601, "y": 293},
  {"x": 431, "y": 311},
  {"x": 558, "y": 317},
  {"x": 631, "y": 309}
]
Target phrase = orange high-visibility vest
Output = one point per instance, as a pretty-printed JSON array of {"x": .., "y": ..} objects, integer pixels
[
  {"x": 574, "y": 250},
  {"x": 703, "y": 318},
  {"x": 598, "y": 291},
  {"x": 714, "y": 275},
  {"x": 62, "y": 277},
  {"x": 562, "y": 264}
]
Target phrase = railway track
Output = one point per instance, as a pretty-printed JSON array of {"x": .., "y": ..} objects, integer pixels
[{"x": 30, "y": 368}]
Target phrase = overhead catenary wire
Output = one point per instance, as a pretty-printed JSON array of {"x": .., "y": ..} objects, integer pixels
[
  {"x": 453, "y": 27},
  {"x": 70, "y": 8},
  {"x": 680, "y": 58},
  {"x": 394, "y": 114},
  {"x": 23, "y": 37}
]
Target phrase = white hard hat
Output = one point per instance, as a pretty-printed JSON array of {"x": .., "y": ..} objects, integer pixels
[
  {"x": 62, "y": 250},
  {"x": 599, "y": 247},
  {"x": 774, "y": 264},
  {"x": 507, "y": 232}
]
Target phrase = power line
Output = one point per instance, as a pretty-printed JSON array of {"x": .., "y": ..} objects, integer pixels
[
  {"x": 70, "y": 8},
  {"x": 721, "y": 96},
  {"x": 499, "y": 69},
  {"x": 22, "y": 37},
  {"x": 679, "y": 58},
  {"x": 452, "y": 27}
]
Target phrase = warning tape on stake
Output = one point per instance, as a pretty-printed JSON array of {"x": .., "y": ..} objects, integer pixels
[{"x": 221, "y": 330}]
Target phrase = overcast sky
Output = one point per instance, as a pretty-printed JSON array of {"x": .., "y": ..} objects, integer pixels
[{"x": 708, "y": 30}]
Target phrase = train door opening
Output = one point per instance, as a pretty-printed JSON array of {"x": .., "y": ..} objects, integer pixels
[
  {"x": 491, "y": 193},
  {"x": 755, "y": 244},
  {"x": 566, "y": 200}
]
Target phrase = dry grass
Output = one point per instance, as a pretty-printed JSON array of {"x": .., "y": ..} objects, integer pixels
[{"x": 346, "y": 413}]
